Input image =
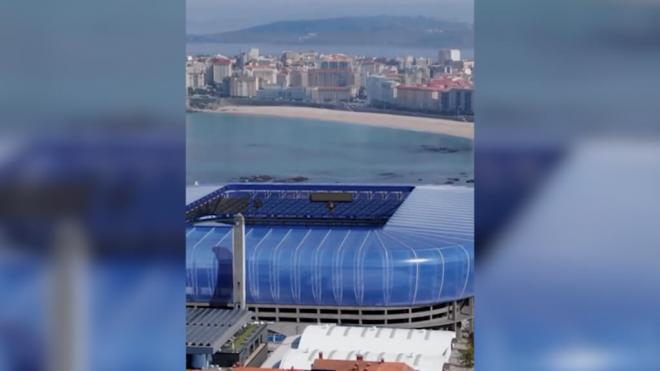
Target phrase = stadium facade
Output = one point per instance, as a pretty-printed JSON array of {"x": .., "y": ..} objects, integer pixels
[{"x": 344, "y": 254}]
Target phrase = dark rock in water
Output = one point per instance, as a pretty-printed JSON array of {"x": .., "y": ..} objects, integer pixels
[
  {"x": 437, "y": 149},
  {"x": 294, "y": 179},
  {"x": 469, "y": 181},
  {"x": 389, "y": 175},
  {"x": 453, "y": 179},
  {"x": 298, "y": 179},
  {"x": 419, "y": 179},
  {"x": 449, "y": 182},
  {"x": 256, "y": 178},
  {"x": 263, "y": 178}
]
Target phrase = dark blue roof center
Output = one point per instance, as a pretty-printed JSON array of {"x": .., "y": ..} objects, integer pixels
[{"x": 300, "y": 204}]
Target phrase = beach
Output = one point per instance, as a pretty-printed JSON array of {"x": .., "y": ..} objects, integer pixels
[{"x": 419, "y": 124}]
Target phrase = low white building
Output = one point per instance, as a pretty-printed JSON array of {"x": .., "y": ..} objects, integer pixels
[
  {"x": 253, "y": 53},
  {"x": 457, "y": 101},
  {"x": 197, "y": 74},
  {"x": 267, "y": 75},
  {"x": 299, "y": 77},
  {"x": 243, "y": 86},
  {"x": 381, "y": 90},
  {"x": 423, "y": 350},
  {"x": 278, "y": 93},
  {"x": 334, "y": 95},
  {"x": 418, "y": 97}
]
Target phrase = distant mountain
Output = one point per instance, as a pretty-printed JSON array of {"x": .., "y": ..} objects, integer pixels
[{"x": 378, "y": 30}]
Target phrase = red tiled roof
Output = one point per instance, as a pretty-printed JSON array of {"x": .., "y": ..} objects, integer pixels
[
  {"x": 359, "y": 365},
  {"x": 418, "y": 87},
  {"x": 336, "y": 57}
]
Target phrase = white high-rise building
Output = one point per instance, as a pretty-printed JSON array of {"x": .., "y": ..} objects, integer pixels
[
  {"x": 267, "y": 75},
  {"x": 253, "y": 53},
  {"x": 221, "y": 69},
  {"x": 196, "y": 75},
  {"x": 408, "y": 61},
  {"x": 243, "y": 86},
  {"x": 449, "y": 55},
  {"x": 381, "y": 90}
]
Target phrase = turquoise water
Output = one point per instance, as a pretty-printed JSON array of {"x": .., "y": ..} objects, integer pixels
[{"x": 224, "y": 147}]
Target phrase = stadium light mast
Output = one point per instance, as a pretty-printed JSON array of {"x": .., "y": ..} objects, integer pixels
[{"x": 238, "y": 261}]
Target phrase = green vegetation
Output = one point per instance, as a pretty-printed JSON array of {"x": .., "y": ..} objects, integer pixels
[{"x": 241, "y": 337}]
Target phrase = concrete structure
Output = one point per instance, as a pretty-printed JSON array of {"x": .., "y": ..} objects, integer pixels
[
  {"x": 253, "y": 53},
  {"x": 290, "y": 57},
  {"x": 381, "y": 91},
  {"x": 407, "y": 62},
  {"x": 299, "y": 77},
  {"x": 334, "y": 95},
  {"x": 461, "y": 345},
  {"x": 238, "y": 251},
  {"x": 266, "y": 75},
  {"x": 421, "y": 350},
  {"x": 331, "y": 78},
  {"x": 208, "y": 330},
  {"x": 283, "y": 78},
  {"x": 449, "y": 55},
  {"x": 197, "y": 74},
  {"x": 439, "y": 70},
  {"x": 457, "y": 101},
  {"x": 417, "y": 97},
  {"x": 243, "y": 86},
  {"x": 468, "y": 67},
  {"x": 247, "y": 347},
  {"x": 222, "y": 68},
  {"x": 444, "y": 315},
  {"x": 366, "y": 68},
  {"x": 416, "y": 75},
  {"x": 334, "y": 71},
  {"x": 381, "y": 255},
  {"x": 276, "y": 93},
  {"x": 422, "y": 62},
  {"x": 450, "y": 95}
]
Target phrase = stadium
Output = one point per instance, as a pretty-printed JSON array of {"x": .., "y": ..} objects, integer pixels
[{"x": 344, "y": 254}]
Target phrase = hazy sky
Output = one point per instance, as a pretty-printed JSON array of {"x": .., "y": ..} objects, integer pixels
[{"x": 205, "y": 16}]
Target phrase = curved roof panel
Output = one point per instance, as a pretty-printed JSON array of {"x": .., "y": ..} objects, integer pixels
[
  {"x": 423, "y": 350},
  {"x": 422, "y": 255}
]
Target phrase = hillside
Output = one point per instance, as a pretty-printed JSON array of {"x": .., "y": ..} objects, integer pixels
[{"x": 379, "y": 30}]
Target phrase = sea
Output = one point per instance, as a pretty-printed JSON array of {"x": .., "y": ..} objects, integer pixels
[
  {"x": 389, "y": 51},
  {"x": 225, "y": 147}
]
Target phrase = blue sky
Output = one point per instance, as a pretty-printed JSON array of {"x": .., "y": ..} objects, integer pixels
[{"x": 205, "y": 16}]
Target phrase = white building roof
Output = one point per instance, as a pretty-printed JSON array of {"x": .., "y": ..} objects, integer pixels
[{"x": 423, "y": 350}]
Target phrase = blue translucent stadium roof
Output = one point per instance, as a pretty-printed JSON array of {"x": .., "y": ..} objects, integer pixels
[{"x": 421, "y": 254}]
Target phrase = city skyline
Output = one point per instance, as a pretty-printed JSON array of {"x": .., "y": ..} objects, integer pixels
[{"x": 441, "y": 86}]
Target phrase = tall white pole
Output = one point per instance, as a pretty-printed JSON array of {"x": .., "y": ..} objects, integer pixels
[{"x": 238, "y": 247}]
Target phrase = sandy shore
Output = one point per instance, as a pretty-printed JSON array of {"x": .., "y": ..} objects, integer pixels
[{"x": 422, "y": 124}]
